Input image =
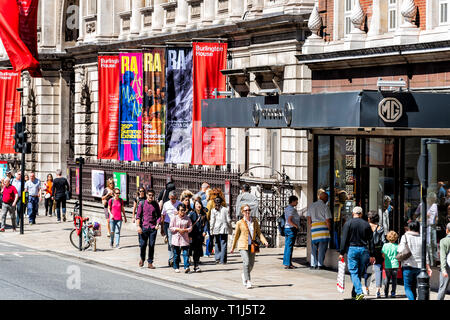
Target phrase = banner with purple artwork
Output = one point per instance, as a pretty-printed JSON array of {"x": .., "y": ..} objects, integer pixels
[
  {"x": 131, "y": 98},
  {"x": 179, "y": 63}
]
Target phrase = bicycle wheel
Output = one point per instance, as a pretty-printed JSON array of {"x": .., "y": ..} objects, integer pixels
[{"x": 75, "y": 240}]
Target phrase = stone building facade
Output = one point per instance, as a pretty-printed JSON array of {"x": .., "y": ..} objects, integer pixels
[{"x": 263, "y": 37}]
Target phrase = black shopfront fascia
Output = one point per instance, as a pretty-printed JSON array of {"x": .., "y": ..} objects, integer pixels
[{"x": 330, "y": 110}]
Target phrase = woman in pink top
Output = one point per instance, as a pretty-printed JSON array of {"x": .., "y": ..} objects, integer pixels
[
  {"x": 116, "y": 209},
  {"x": 180, "y": 226}
]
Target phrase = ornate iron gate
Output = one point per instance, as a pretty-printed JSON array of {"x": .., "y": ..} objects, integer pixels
[{"x": 273, "y": 198}]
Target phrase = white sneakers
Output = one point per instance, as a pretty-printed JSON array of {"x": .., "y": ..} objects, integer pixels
[
  {"x": 246, "y": 283},
  {"x": 177, "y": 270},
  {"x": 365, "y": 291}
]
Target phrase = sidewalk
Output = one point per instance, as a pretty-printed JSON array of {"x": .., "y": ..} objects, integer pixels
[{"x": 270, "y": 280}]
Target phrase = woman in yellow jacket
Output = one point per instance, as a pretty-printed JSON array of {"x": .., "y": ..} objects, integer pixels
[{"x": 243, "y": 240}]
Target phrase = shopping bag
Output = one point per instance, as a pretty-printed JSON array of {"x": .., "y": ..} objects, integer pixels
[{"x": 341, "y": 276}]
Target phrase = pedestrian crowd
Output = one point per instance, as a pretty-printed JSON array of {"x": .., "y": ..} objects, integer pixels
[
  {"x": 199, "y": 225},
  {"x": 54, "y": 193}
]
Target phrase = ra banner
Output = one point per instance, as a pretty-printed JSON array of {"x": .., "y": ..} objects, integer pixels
[
  {"x": 9, "y": 108},
  {"x": 208, "y": 144},
  {"x": 130, "y": 119},
  {"x": 154, "y": 107},
  {"x": 179, "y": 105},
  {"x": 108, "y": 108}
]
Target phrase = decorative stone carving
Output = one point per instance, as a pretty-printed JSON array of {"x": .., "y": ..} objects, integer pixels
[
  {"x": 408, "y": 11},
  {"x": 357, "y": 15},
  {"x": 90, "y": 27},
  {"x": 315, "y": 22},
  {"x": 85, "y": 98}
]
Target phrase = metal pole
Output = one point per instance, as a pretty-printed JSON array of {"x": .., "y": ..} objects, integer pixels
[
  {"x": 80, "y": 197},
  {"x": 423, "y": 280},
  {"x": 24, "y": 199}
]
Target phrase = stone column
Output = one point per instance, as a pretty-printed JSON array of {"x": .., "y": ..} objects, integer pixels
[
  {"x": 48, "y": 23},
  {"x": 80, "y": 21},
  {"x": 237, "y": 9},
  {"x": 182, "y": 12},
  {"x": 158, "y": 16},
  {"x": 208, "y": 12},
  {"x": 105, "y": 19},
  {"x": 135, "y": 23}
]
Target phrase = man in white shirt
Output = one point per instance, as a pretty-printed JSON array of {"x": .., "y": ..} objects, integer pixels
[
  {"x": 33, "y": 187},
  {"x": 169, "y": 210},
  {"x": 319, "y": 221}
]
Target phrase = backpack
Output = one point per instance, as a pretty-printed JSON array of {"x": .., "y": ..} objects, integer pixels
[
  {"x": 378, "y": 238},
  {"x": 281, "y": 222}
]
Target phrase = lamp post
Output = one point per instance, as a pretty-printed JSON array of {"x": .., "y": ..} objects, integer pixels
[
  {"x": 423, "y": 279},
  {"x": 80, "y": 162}
]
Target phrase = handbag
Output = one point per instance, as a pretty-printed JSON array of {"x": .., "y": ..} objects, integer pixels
[
  {"x": 254, "y": 246},
  {"x": 406, "y": 253},
  {"x": 68, "y": 195}
]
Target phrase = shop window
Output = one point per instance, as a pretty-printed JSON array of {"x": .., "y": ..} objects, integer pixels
[
  {"x": 392, "y": 15},
  {"x": 347, "y": 16},
  {"x": 443, "y": 11},
  {"x": 438, "y": 193}
]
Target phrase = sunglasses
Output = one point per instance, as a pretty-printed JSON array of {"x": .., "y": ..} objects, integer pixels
[
  {"x": 117, "y": 192},
  {"x": 247, "y": 210}
]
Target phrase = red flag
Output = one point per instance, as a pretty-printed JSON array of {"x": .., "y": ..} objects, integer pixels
[
  {"x": 9, "y": 108},
  {"x": 18, "y": 32},
  {"x": 208, "y": 144}
]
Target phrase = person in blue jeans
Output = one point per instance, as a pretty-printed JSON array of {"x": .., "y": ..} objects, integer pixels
[
  {"x": 290, "y": 230},
  {"x": 356, "y": 242},
  {"x": 411, "y": 266}
]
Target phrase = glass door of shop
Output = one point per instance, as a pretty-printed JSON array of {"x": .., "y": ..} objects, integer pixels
[{"x": 379, "y": 179}]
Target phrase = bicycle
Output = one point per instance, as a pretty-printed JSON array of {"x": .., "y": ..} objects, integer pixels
[{"x": 88, "y": 234}]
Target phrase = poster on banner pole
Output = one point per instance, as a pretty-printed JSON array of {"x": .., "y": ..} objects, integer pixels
[
  {"x": 179, "y": 105},
  {"x": 208, "y": 144},
  {"x": 120, "y": 181},
  {"x": 98, "y": 183},
  {"x": 108, "y": 107},
  {"x": 154, "y": 106},
  {"x": 131, "y": 98},
  {"x": 3, "y": 169},
  {"x": 9, "y": 109}
]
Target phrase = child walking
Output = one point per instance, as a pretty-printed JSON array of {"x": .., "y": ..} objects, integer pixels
[{"x": 391, "y": 264}]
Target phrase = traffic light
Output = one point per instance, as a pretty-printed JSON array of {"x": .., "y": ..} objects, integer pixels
[{"x": 20, "y": 139}]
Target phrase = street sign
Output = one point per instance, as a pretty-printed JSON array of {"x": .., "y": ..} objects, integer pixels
[{"x": 421, "y": 168}]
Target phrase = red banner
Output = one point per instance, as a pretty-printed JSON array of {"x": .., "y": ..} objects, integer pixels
[
  {"x": 18, "y": 32},
  {"x": 9, "y": 108},
  {"x": 208, "y": 144},
  {"x": 108, "y": 107}
]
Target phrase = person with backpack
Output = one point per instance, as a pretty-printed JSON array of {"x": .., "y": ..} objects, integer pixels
[
  {"x": 290, "y": 230},
  {"x": 319, "y": 221},
  {"x": 116, "y": 209},
  {"x": 60, "y": 188},
  {"x": 148, "y": 220},
  {"x": 378, "y": 241},
  {"x": 107, "y": 195},
  {"x": 200, "y": 227},
  {"x": 140, "y": 196}
]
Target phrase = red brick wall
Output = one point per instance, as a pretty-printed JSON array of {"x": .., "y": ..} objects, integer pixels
[
  {"x": 326, "y": 10},
  {"x": 423, "y": 76}
]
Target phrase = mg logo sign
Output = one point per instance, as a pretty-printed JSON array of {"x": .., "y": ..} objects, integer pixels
[{"x": 390, "y": 110}]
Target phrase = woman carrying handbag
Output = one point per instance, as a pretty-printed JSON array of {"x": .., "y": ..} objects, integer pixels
[{"x": 247, "y": 229}]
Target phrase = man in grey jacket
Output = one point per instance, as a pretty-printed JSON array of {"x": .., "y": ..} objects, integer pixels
[{"x": 246, "y": 198}]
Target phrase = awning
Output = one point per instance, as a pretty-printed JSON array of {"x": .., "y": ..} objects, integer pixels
[{"x": 360, "y": 109}]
